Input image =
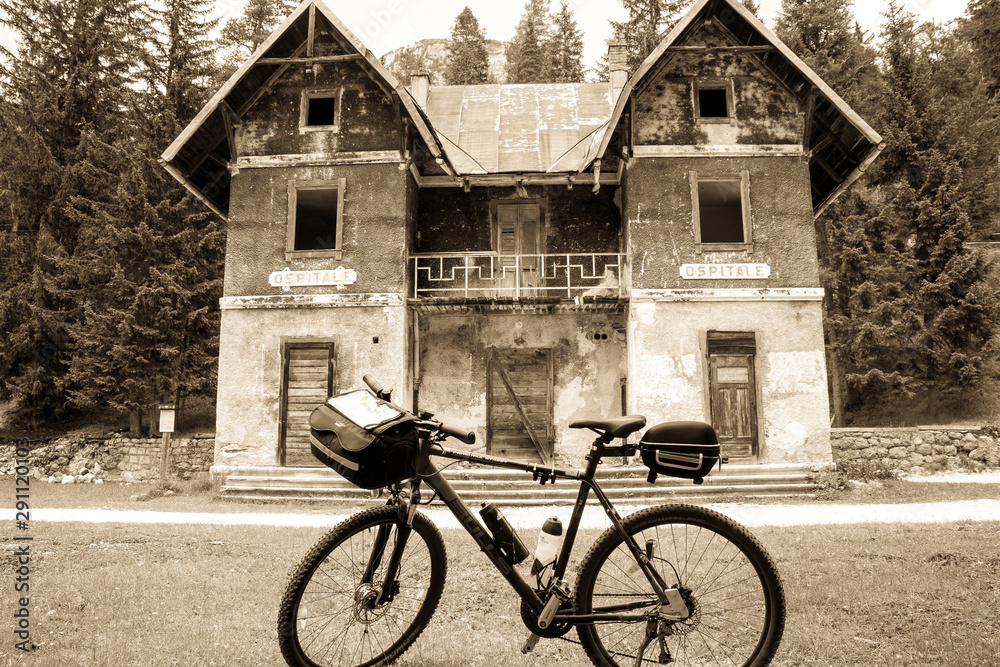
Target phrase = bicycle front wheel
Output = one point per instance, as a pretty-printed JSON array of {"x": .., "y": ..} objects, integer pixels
[
  {"x": 330, "y": 615},
  {"x": 735, "y": 603}
]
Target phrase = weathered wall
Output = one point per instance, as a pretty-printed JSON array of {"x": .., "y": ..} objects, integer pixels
[
  {"x": 588, "y": 372},
  {"x": 664, "y": 109},
  {"x": 374, "y": 235},
  {"x": 577, "y": 220},
  {"x": 250, "y": 367},
  {"x": 916, "y": 450},
  {"x": 367, "y": 119},
  {"x": 659, "y": 211},
  {"x": 668, "y": 369}
]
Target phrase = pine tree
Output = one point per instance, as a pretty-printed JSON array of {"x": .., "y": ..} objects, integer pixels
[
  {"x": 823, "y": 34},
  {"x": 752, "y": 6},
  {"x": 566, "y": 47},
  {"x": 911, "y": 315},
  {"x": 149, "y": 319},
  {"x": 527, "y": 60},
  {"x": 980, "y": 30},
  {"x": 242, "y": 35},
  {"x": 408, "y": 63},
  {"x": 645, "y": 28},
  {"x": 468, "y": 61},
  {"x": 73, "y": 74}
]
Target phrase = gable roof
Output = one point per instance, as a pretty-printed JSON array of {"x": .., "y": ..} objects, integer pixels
[
  {"x": 199, "y": 156},
  {"x": 489, "y": 129},
  {"x": 841, "y": 144}
]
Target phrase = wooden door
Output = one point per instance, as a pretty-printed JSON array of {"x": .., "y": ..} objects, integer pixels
[
  {"x": 518, "y": 246},
  {"x": 307, "y": 381},
  {"x": 519, "y": 404},
  {"x": 733, "y": 398}
]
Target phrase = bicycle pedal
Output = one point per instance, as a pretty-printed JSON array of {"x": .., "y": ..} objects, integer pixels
[{"x": 529, "y": 645}]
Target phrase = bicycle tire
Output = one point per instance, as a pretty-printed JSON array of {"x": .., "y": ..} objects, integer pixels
[
  {"x": 337, "y": 625},
  {"x": 727, "y": 579}
]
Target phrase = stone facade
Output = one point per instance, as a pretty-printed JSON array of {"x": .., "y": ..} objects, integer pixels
[
  {"x": 115, "y": 458},
  {"x": 917, "y": 449}
]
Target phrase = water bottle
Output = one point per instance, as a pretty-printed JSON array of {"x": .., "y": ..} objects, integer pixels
[
  {"x": 549, "y": 540},
  {"x": 510, "y": 544}
]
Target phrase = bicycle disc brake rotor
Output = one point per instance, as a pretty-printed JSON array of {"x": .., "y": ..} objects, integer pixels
[
  {"x": 530, "y": 620},
  {"x": 364, "y": 603}
]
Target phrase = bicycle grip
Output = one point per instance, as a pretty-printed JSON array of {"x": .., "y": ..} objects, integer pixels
[{"x": 463, "y": 434}]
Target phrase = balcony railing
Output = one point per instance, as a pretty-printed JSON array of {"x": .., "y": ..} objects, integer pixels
[{"x": 492, "y": 276}]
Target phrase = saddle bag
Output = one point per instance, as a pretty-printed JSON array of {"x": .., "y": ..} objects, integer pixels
[
  {"x": 370, "y": 442},
  {"x": 688, "y": 450}
]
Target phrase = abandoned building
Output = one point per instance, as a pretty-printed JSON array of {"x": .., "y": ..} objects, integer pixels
[{"x": 515, "y": 257}]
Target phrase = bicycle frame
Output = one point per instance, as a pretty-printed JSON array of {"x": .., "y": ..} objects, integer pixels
[{"x": 429, "y": 473}]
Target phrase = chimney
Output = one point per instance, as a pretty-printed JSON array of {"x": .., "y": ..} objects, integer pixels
[
  {"x": 420, "y": 84},
  {"x": 618, "y": 64}
]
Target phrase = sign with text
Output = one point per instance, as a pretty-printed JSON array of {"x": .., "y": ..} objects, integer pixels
[
  {"x": 725, "y": 271},
  {"x": 339, "y": 276}
]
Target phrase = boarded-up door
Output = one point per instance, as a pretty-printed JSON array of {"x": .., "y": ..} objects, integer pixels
[
  {"x": 519, "y": 403},
  {"x": 307, "y": 381},
  {"x": 733, "y": 392},
  {"x": 518, "y": 246}
]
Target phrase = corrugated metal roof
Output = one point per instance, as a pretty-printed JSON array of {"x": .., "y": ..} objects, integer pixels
[{"x": 519, "y": 128}]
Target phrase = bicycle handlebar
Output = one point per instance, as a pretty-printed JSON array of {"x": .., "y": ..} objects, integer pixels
[{"x": 462, "y": 434}]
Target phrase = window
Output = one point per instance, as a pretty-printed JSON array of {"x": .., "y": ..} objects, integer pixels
[
  {"x": 315, "y": 218},
  {"x": 320, "y": 110},
  {"x": 721, "y": 211},
  {"x": 713, "y": 101}
]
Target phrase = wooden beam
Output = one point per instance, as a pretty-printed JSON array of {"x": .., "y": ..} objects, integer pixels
[
  {"x": 175, "y": 172},
  {"x": 832, "y": 134},
  {"x": 208, "y": 150},
  {"x": 307, "y": 60},
  {"x": 231, "y": 120},
  {"x": 721, "y": 49},
  {"x": 498, "y": 366},
  {"x": 810, "y": 111},
  {"x": 828, "y": 169},
  {"x": 510, "y": 180},
  {"x": 311, "y": 39}
]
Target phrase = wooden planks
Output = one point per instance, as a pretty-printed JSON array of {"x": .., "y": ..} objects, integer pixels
[
  {"x": 306, "y": 383},
  {"x": 519, "y": 403}
]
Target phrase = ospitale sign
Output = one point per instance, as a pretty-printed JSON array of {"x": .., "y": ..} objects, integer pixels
[
  {"x": 339, "y": 276},
  {"x": 725, "y": 271}
]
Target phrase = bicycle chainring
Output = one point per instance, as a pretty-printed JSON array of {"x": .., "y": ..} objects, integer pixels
[{"x": 530, "y": 620}]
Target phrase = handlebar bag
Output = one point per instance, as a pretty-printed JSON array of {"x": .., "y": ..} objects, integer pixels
[
  {"x": 370, "y": 442},
  {"x": 688, "y": 450}
]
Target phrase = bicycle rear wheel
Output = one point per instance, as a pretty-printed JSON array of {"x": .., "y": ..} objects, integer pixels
[
  {"x": 727, "y": 580},
  {"x": 329, "y": 614}
]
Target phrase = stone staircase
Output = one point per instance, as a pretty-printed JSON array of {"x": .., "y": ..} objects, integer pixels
[{"x": 513, "y": 488}]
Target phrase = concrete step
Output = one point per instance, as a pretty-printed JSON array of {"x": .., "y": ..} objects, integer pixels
[{"x": 513, "y": 488}]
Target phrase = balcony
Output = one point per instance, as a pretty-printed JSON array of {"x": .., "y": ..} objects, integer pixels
[{"x": 583, "y": 278}]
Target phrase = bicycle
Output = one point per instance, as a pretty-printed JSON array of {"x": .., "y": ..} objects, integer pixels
[{"x": 676, "y": 584}]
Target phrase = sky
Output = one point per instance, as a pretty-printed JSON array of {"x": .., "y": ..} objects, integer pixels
[{"x": 384, "y": 25}]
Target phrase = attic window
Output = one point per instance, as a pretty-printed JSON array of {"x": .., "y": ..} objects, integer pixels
[
  {"x": 721, "y": 212},
  {"x": 315, "y": 218},
  {"x": 713, "y": 101},
  {"x": 320, "y": 110}
]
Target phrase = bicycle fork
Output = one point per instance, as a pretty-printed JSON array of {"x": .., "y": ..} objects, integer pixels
[{"x": 403, "y": 529}]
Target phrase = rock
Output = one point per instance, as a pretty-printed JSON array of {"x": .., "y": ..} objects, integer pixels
[
  {"x": 98, "y": 481},
  {"x": 169, "y": 492},
  {"x": 67, "y": 479},
  {"x": 924, "y": 450},
  {"x": 51, "y": 479},
  {"x": 97, "y": 470},
  {"x": 88, "y": 478},
  {"x": 83, "y": 471},
  {"x": 897, "y": 452},
  {"x": 78, "y": 478},
  {"x": 950, "y": 450}
]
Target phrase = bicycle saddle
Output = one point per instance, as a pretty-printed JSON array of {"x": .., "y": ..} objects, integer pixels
[{"x": 617, "y": 427}]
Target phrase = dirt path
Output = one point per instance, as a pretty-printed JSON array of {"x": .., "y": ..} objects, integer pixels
[{"x": 533, "y": 517}]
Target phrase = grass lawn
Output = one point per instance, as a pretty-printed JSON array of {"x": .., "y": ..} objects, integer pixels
[{"x": 114, "y": 594}]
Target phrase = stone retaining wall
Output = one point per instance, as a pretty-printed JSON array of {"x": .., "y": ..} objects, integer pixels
[
  {"x": 91, "y": 458},
  {"x": 917, "y": 449}
]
